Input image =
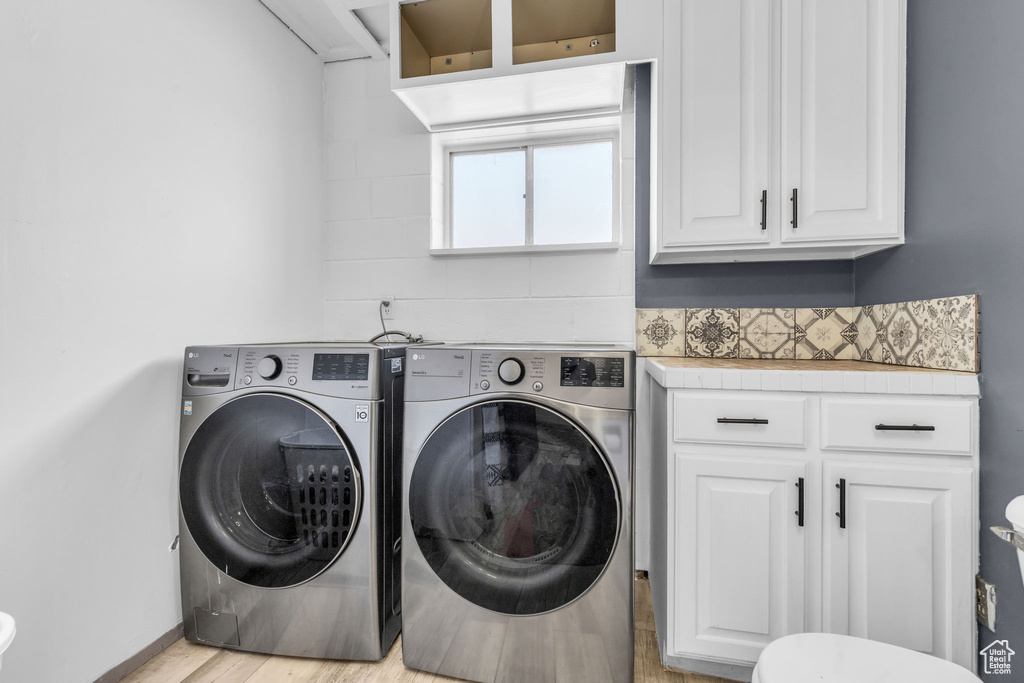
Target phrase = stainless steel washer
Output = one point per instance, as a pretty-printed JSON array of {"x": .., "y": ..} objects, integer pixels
[
  {"x": 518, "y": 562},
  {"x": 290, "y": 467}
]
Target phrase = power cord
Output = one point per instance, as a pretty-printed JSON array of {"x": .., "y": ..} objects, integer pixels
[
  {"x": 386, "y": 333},
  {"x": 380, "y": 311},
  {"x": 411, "y": 338}
]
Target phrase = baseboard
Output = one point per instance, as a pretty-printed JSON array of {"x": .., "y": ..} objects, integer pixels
[
  {"x": 733, "y": 672},
  {"x": 142, "y": 656}
]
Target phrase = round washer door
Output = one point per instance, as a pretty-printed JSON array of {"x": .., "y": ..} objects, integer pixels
[
  {"x": 513, "y": 507},
  {"x": 269, "y": 490}
]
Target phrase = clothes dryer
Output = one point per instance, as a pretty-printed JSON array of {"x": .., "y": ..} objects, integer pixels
[
  {"x": 518, "y": 560},
  {"x": 290, "y": 467}
]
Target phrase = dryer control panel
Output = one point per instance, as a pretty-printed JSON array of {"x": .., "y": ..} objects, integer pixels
[{"x": 600, "y": 377}]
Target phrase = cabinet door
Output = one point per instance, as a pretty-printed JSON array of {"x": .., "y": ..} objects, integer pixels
[
  {"x": 901, "y": 570},
  {"x": 739, "y": 555},
  {"x": 842, "y": 118},
  {"x": 715, "y": 121}
]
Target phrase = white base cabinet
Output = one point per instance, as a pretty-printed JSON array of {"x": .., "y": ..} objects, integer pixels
[
  {"x": 739, "y": 557},
  {"x": 897, "y": 570},
  {"x": 814, "y": 530}
]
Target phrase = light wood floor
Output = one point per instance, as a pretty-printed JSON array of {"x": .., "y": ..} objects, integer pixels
[{"x": 188, "y": 662}]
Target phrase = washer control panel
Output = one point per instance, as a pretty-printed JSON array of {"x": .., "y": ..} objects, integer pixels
[
  {"x": 263, "y": 366},
  {"x": 326, "y": 370},
  {"x": 341, "y": 369}
]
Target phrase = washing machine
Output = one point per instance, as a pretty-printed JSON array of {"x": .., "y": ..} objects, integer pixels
[
  {"x": 290, "y": 467},
  {"x": 518, "y": 559}
]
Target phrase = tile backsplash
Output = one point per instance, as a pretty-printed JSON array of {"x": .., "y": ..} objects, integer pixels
[{"x": 935, "y": 333}]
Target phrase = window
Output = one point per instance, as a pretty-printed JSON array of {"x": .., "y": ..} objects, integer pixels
[{"x": 536, "y": 190}]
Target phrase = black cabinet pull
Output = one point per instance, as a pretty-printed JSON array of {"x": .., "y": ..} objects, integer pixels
[
  {"x": 904, "y": 428},
  {"x": 795, "y": 208},
  {"x": 764, "y": 209},
  {"x": 842, "y": 503},
  {"x": 800, "y": 501},
  {"x": 742, "y": 421}
]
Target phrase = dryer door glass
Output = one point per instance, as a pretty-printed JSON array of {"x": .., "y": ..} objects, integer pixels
[
  {"x": 269, "y": 490},
  {"x": 513, "y": 507}
]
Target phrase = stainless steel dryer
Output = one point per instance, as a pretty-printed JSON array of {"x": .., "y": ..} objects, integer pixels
[
  {"x": 518, "y": 559},
  {"x": 290, "y": 466}
]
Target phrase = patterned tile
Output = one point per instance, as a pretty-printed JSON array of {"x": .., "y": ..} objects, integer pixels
[
  {"x": 826, "y": 334},
  {"x": 901, "y": 335},
  {"x": 949, "y": 333},
  {"x": 934, "y": 333},
  {"x": 660, "y": 331},
  {"x": 712, "y": 332},
  {"x": 767, "y": 333},
  {"x": 868, "y": 345}
]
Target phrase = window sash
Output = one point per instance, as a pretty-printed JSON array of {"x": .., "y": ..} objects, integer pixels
[{"x": 559, "y": 139}]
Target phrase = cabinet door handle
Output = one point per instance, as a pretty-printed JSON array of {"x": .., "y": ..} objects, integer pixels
[
  {"x": 795, "y": 208},
  {"x": 800, "y": 501},
  {"x": 904, "y": 428},
  {"x": 764, "y": 209},
  {"x": 742, "y": 421},
  {"x": 842, "y": 503}
]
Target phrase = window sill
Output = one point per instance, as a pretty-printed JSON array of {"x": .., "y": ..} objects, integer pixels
[{"x": 526, "y": 250}]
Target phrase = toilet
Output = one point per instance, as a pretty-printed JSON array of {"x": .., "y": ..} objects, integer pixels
[
  {"x": 7, "y": 631},
  {"x": 1015, "y": 536},
  {"x": 831, "y": 658}
]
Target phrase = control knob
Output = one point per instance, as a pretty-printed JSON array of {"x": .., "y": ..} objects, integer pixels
[
  {"x": 269, "y": 367},
  {"x": 511, "y": 371}
]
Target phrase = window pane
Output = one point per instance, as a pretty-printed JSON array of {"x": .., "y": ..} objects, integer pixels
[
  {"x": 572, "y": 200},
  {"x": 488, "y": 203}
]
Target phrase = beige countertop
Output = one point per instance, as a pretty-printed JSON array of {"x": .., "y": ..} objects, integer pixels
[
  {"x": 803, "y": 365},
  {"x": 822, "y": 376}
]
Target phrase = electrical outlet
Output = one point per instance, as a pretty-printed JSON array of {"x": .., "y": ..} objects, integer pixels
[
  {"x": 985, "y": 595},
  {"x": 387, "y": 308}
]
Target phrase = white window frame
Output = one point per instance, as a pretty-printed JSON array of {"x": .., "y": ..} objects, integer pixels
[{"x": 528, "y": 137}]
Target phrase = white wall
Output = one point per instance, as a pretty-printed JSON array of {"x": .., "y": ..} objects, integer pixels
[
  {"x": 378, "y": 223},
  {"x": 160, "y": 184}
]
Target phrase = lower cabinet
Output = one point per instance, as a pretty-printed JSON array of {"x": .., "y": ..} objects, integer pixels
[
  {"x": 897, "y": 556},
  {"x": 740, "y": 555},
  {"x": 766, "y": 541}
]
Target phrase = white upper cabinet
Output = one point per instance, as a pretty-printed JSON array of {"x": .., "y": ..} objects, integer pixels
[
  {"x": 781, "y": 127},
  {"x": 467, "y": 63},
  {"x": 842, "y": 119},
  {"x": 718, "y": 143}
]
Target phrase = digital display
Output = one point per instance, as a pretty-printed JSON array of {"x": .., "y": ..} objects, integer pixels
[
  {"x": 593, "y": 372},
  {"x": 341, "y": 366}
]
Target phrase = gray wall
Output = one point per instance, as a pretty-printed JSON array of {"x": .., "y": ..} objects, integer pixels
[
  {"x": 807, "y": 283},
  {"x": 964, "y": 215}
]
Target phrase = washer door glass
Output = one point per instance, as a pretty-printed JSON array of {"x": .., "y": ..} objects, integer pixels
[
  {"x": 513, "y": 507},
  {"x": 269, "y": 490}
]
